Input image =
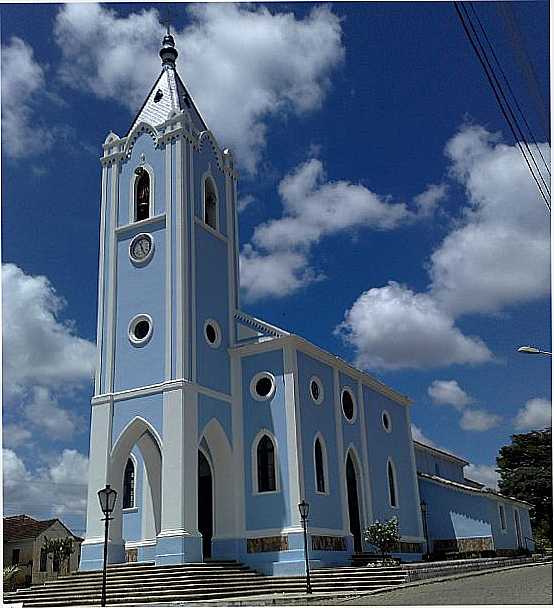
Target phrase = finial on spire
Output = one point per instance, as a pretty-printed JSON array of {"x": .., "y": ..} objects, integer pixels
[{"x": 168, "y": 52}]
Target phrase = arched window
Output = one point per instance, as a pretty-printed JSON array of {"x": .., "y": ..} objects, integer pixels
[
  {"x": 393, "y": 498},
  {"x": 210, "y": 203},
  {"x": 265, "y": 457},
  {"x": 129, "y": 485},
  {"x": 319, "y": 467},
  {"x": 142, "y": 194}
]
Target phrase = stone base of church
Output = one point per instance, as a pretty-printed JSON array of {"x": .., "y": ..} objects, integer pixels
[
  {"x": 92, "y": 554},
  {"x": 178, "y": 549}
]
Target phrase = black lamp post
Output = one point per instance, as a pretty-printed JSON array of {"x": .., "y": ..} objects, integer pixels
[
  {"x": 304, "y": 509},
  {"x": 107, "y": 497},
  {"x": 423, "y": 506}
]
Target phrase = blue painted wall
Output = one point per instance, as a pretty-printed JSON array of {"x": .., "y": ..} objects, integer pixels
[
  {"x": 149, "y": 407},
  {"x": 434, "y": 464},
  {"x": 209, "y": 408},
  {"x": 204, "y": 159},
  {"x": 396, "y": 445},
  {"x": 269, "y": 510},
  {"x": 325, "y": 510}
]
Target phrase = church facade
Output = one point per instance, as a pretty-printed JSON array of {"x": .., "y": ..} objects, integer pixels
[{"x": 213, "y": 425}]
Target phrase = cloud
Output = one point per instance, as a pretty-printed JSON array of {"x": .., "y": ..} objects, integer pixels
[
  {"x": 535, "y": 414},
  {"x": 244, "y": 202},
  {"x": 448, "y": 392},
  {"x": 23, "y": 81},
  {"x": 394, "y": 328},
  {"x": 54, "y": 491},
  {"x": 269, "y": 64},
  {"x": 39, "y": 349},
  {"x": 483, "y": 473},
  {"x": 44, "y": 412},
  {"x": 274, "y": 274},
  {"x": 478, "y": 420},
  {"x": 418, "y": 435},
  {"x": 430, "y": 198},
  {"x": 15, "y": 435},
  {"x": 495, "y": 256},
  {"x": 499, "y": 255}
]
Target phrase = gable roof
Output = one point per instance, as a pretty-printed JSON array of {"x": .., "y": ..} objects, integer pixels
[
  {"x": 423, "y": 446},
  {"x": 19, "y": 527}
]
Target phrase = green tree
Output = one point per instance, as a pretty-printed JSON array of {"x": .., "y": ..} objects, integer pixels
[
  {"x": 383, "y": 535},
  {"x": 525, "y": 468}
]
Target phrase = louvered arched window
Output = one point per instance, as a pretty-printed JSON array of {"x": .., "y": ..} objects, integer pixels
[
  {"x": 319, "y": 466},
  {"x": 142, "y": 194},
  {"x": 265, "y": 457},
  {"x": 210, "y": 203},
  {"x": 129, "y": 485}
]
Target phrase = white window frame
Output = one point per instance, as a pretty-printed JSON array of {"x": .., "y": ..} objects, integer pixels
[
  {"x": 319, "y": 400},
  {"x": 217, "y": 328},
  {"x": 208, "y": 176},
  {"x": 394, "y": 483},
  {"x": 502, "y": 509},
  {"x": 325, "y": 463},
  {"x": 383, "y": 414},
  {"x": 133, "y": 323},
  {"x": 134, "y": 508},
  {"x": 133, "y": 195},
  {"x": 254, "y": 459},
  {"x": 254, "y": 381},
  {"x": 348, "y": 389}
]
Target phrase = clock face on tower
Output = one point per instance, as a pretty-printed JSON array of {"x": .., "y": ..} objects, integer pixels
[{"x": 141, "y": 248}]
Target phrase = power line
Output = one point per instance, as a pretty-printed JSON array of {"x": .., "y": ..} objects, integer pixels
[
  {"x": 493, "y": 81},
  {"x": 509, "y": 86}
]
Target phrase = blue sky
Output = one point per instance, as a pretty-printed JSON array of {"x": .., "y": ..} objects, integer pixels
[{"x": 386, "y": 214}]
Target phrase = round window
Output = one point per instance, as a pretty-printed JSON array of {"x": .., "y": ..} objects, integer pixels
[
  {"x": 262, "y": 386},
  {"x": 140, "y": 330},
  {"x": 316, "y": 390},
  {"x": 386, "y": 422},
  {"x": 212, "y": 333},
  {"x": 348, "y": 404}
]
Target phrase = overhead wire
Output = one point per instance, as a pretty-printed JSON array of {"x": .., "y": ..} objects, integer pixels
[
  {"x": 500, "y": 97},
  {"x": 506, "y": 80}
]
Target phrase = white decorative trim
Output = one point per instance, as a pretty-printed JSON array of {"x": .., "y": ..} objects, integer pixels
[
  {"x": 149, "y": 221},
  {"x": 365, "y": 455},
  {"x": 101, "y": 295},
  {"x": 319, "y": 437},
  {"x": 360, "y": 486},
  {"x": 217, "y": 329},
  {"x": 209, "y": 229},
  {"x": 132, "y": 326},
  {"x": 133, "y": 194},
  {"x": 181, "y": 264},
  {"x": 348, "y": 389},
  {"x": 168, "y": 261},
  {"x": 192, "y": 295},
  {"x": 385, "y": 414},
  {"x": 255, "y": 380},
  {"x": 254, "y": 462},
  {"x": 140, "y": 128},
  {"x": 390, "y": 463},
  {"x": 131, "y": 422},
  {"x": 340, "y": 451},
  {"x": 415, "y": 484},
  {"x": 445, "y": 455},
  {"x": 319, "y": 400},
  {"x": 148, "y": 257},
  {"x": 135, "y": 544},
  {"x": 238, "y": 442},
  {"x": 134, "y": 508}
]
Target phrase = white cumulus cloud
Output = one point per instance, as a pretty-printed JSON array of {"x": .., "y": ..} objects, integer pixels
[
  {"x": 23, "y": 81},
  {"x": 535, "y": 414},
  {"x": 448, "y": 392},
  {"x": 242, "y": 64},
  {"x": 15, "y": 435},
  {"x": 483, "y": 473},
  {"x": 394, "y": 328},
  {"x": 479, "y": 420}
]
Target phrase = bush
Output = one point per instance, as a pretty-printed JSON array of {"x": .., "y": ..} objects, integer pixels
[{"x": 383, "y": 535}]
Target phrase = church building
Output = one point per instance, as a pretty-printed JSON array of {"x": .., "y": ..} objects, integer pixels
[{"x": 213, "y": 425}]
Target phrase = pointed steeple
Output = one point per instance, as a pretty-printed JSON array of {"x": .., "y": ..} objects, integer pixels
[{"x": 168, "y": 93}]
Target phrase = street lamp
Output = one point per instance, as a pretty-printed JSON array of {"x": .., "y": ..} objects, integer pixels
[
  {"x": 532, "y": 350},
  {"x": 107, "y": 497},
  {"x": 304, "y": 509}
]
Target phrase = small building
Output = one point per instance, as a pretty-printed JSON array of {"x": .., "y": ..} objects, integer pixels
[
  {"x": 462, "y": 516},
  {"x": 24, "y": 547}
]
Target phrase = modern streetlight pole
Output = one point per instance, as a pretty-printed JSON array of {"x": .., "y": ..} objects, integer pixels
[
  {"x": 107, "y": 497},
  {"x": 532, "y": 350},
  {"x": 304, "y": 509}
]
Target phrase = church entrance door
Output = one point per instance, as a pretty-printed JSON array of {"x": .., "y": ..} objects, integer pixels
[
  {"x": 353, "y": 506},
  {"x": 205, "y": 504}
]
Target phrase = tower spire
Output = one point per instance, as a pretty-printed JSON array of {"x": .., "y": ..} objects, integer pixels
[{"x": 168, "y": 52}]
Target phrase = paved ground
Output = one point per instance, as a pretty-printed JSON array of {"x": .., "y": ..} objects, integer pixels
[{"x": 531, "y": 585}]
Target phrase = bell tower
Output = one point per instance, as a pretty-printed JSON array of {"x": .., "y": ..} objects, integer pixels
[{"x": 167, "y": 296}]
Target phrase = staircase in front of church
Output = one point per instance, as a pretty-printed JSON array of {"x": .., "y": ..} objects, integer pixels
[{"x": 213, "y": 580}]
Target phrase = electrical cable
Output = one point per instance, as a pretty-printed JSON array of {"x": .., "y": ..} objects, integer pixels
[{"x": 498, "y": 99}]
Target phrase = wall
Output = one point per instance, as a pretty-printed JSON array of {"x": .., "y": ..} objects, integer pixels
[{"x": 426, "y": 462}]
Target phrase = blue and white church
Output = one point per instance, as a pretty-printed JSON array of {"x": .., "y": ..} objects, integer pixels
[{"x": 213, "y": 425}]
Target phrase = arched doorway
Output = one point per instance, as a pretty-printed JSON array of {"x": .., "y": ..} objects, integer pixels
[
  {"x": 205, "y": 504},
  {"x": 353, "y": 503}
]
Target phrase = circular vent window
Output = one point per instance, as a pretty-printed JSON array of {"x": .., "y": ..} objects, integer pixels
[
  {"x": 316, "y": 390},
  {"x": 212, "y": 333},
  {"x": 140, "y": 330},
  {"x": 262, "y": 386},
  {"x": 386, "y": 422},
  {"x": 348, "y": 404}
]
